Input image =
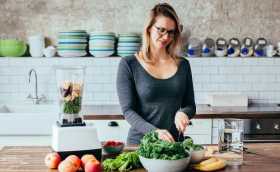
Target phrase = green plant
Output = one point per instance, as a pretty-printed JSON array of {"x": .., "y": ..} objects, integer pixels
[
  {"x": 124, "y": 162},
  {"x": 154, "y": 148},
  {"x": 189, "y": 145}
]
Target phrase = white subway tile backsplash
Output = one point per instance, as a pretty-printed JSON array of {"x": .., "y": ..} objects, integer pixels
[
  {"x": 234, "y": 86},
  {"x": 254, "y": 78},
  {"x": 196, "y": 70},
  {"x": 276, "y": 61},
  {"x": 269, "y": 86},
  {"x": 259, "y": 78},
  {"x": 199, "y": 61},
  {"x": 265, "y": 70},
  {"x": 209, "y": 70},
  {"x": 233, "y": 78},
  {"x": 234, "y": 70},
  {"x": 266, "y": 61},
  {"x": 4, "y": 79},
  {"x": 201, "y": 78},
  {"x": 4, "y": 61}
]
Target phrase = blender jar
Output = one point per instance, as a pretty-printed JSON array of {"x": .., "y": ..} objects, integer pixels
[{"x": 70, "y": 84}]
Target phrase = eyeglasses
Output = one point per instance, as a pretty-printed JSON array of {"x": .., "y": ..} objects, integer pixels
[{"x": 162, "y": 31}]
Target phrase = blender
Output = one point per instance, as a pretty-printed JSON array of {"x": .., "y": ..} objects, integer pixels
[{"x": 71, "y": 135}]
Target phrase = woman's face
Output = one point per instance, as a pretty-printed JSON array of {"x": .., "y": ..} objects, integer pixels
[{"x": 162, "y": 32}]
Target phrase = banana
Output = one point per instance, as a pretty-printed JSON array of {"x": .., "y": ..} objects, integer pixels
[
  {"x": 208, "y": 161},
  {"x": 211, "y": 164}
]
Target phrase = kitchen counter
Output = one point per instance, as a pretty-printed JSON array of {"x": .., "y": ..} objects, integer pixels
[
  {"x": 108, "y": 112},
  {"x": 263, "y": 157}
]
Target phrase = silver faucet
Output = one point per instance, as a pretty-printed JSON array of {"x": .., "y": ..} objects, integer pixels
[{"x": 35, "y": 99}]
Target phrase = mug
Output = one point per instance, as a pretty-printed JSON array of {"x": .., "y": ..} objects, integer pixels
[{"x": 36, "y": 45}]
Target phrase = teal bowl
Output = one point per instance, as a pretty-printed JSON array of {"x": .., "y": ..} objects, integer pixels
[
  {"x": 12, "y": 48},
  {"x": 113, "y": 149}
]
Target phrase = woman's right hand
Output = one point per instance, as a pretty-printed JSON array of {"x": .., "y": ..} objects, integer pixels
[{"x": 164, "y": 135}]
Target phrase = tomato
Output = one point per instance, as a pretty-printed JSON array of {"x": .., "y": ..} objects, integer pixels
[{"x": 112, "y": 143}]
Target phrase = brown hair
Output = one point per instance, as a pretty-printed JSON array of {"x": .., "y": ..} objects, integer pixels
[{"x": 166, "y": 10}]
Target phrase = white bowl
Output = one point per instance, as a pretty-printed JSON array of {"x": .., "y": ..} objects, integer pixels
[
  {"x": 197, "y": 155},
  {"x": 159, "y": 165}
]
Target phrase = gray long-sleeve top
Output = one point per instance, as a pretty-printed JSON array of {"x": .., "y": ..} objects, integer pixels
[{"x": 149, "y": 103}]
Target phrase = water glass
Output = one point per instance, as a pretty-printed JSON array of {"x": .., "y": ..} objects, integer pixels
[{"x": 231, "y": 140}]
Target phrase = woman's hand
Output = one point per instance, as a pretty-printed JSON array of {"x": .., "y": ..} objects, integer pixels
[
  {"x": 164, "y": 135},
  {"x": 181, "y": 121}
]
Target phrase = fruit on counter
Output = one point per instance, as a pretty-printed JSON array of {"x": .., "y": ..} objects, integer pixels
[
  {"x": 73, "y": 163},
  {"x": 52, "y": 160},
  {"x": 113, "y": 143},
  {"x": 211, "y": 164},
  {"x": 93, "y": 166},
  {"x": 113, "y": 147},
  {"x": 86, "y": 158},
  {"x": 75, "y": 160},
  {"x": 67, "y": 166}
]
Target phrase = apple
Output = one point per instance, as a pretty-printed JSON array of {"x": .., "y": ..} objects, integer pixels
[
  {"x": 52, "y": 160},
  {"x": 93, "y": 166},
  {"x": 67, "y": 166},
  {"x": 75, "y": 160},
  {"x": 87, "y": 157}
]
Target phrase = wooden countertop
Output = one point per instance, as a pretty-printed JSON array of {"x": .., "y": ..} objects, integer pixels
[
  {"x": 113, "y": 112},
  {"x": 264, "y": 157}
]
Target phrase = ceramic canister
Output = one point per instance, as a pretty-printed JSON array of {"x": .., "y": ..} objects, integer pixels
[{"x": 36, "y": 45}]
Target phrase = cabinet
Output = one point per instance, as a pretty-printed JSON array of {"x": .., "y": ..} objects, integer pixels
[
  {"x": 200, "y": 131},
  {"x": 106, "y": 132}
]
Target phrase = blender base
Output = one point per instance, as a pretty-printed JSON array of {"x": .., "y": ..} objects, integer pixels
[
  {"x": 96, "y": 152},
  {"x": 77, "y": 140}
]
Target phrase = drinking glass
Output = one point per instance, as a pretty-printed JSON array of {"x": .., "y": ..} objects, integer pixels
[{"x": 231, "y": 140}]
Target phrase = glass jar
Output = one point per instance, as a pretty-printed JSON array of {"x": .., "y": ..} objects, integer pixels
[{"x": 231, "y": 140}]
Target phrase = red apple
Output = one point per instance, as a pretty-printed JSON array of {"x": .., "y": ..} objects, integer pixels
[
  {"x": 67, "y": 166},
  {"x": 93, "y": 166},
  {"x": 52, "y": 160},
  {"x": 87, "y": 157},
  {"x": 75, "y": 160}
]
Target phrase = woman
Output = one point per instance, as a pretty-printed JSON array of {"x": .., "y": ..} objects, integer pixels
[{"x": 155, "y": 86}]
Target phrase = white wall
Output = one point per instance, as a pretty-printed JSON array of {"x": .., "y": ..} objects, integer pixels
[{"x": 259, "y": 78}]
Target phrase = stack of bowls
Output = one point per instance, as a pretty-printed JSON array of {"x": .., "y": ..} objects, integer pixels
[
  {"x": 128, "y": 44},
  {"x": 72, "y": 43},
  {"x": 12, "y": 47},
  {"x": 102, "y": 44}
]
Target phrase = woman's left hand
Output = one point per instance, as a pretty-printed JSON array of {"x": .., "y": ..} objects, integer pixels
[{"x": 181, "y": 121}]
